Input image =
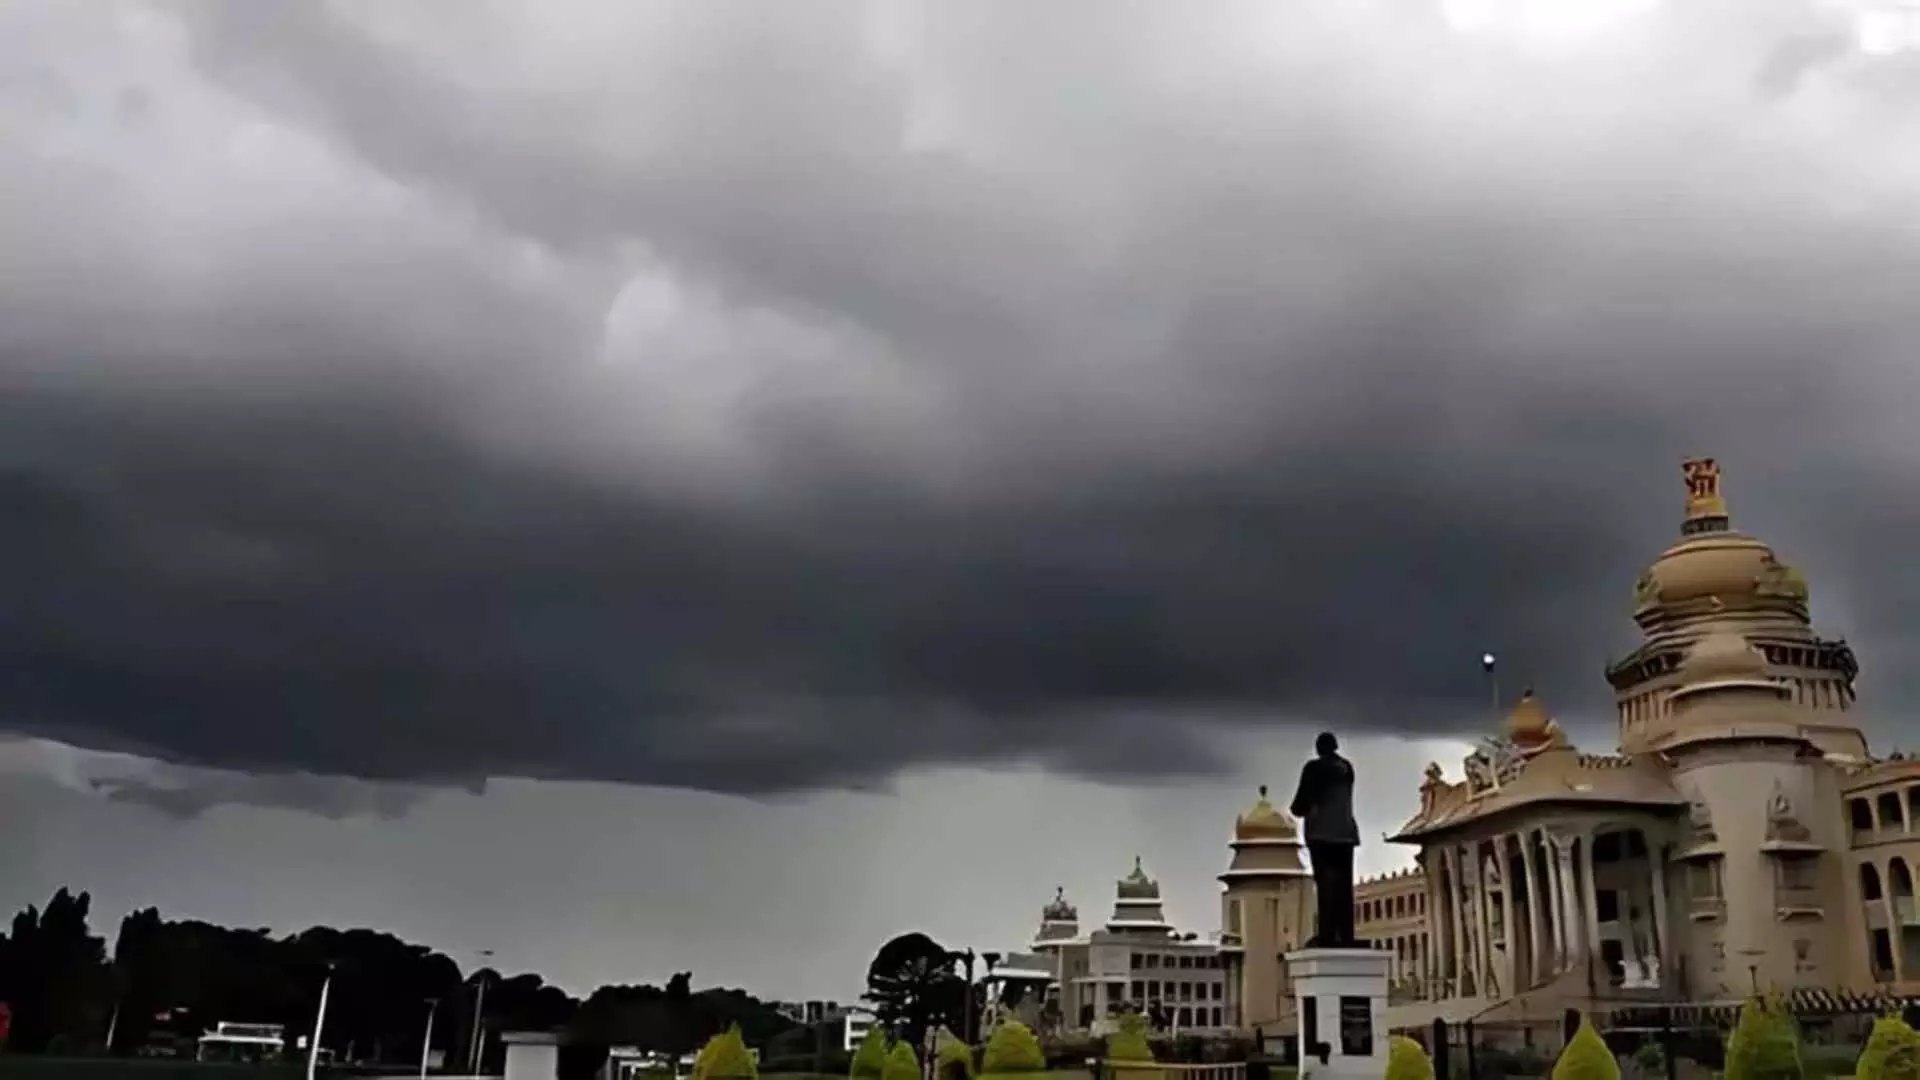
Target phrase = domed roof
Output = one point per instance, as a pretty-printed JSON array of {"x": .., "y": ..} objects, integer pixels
[
  {"x": 1529, "y": 726},
  {"x": 1264, "y": 821},
  {"x": 1725, "y": 659},
  {"x": 1058, "y": 910},
  {"x": 1714, "y": 569},
  {"x": 1724, "y": 653}
]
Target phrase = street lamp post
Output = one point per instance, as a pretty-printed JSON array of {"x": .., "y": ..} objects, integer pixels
[
  {"x": 479, "y": 1015},
  {"x": 1488, "y": 664},
  {"x": 319, "y": 1024},
  {"x": 426, "y": 1041}
]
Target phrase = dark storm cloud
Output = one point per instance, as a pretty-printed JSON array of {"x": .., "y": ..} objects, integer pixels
[{"x": 954, "y": 416}]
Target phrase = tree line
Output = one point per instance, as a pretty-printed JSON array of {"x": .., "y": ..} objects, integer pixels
[{"x": 162, "y": 983}]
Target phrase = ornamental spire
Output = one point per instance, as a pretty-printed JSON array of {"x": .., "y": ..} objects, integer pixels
[{"x": 1706, "y": 507}]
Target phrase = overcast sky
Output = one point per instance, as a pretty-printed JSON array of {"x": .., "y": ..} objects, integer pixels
[{"x": 849, "y": 466}]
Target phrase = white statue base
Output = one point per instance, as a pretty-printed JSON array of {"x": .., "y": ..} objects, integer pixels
[{"x": 1341, "y": 998}]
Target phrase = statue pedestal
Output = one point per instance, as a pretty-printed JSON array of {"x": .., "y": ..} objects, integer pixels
[{"x": 1341, "y": 997}]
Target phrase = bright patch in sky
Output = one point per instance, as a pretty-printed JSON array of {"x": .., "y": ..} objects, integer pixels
[
  {"x": 1888, "y": 28},
  {"x": 1542, "y": 21}
]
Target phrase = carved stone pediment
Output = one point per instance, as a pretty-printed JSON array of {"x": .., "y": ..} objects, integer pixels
[
  {"x": 1495, "y": 763},
  {"x": 1480, "y": 775},
  {"x": 1647, "y": 589}
]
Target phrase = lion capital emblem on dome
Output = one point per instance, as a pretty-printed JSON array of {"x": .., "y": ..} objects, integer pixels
[
  {"x": 1647, "y": 589},
  {"x": 1778, "y": 579}
]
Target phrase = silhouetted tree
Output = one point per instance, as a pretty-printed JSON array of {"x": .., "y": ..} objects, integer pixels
[
  {"x": 167, "y": 982},
  {"x": 912, "y": 986}
]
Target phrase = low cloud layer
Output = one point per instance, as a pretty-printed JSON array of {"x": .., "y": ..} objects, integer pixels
[{"x": 760, "y": 400}]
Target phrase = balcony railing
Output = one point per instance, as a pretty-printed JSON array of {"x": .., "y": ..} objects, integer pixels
[
  {"x": 1905, "y": 911},
  {"x": 1803, "y": 897}
]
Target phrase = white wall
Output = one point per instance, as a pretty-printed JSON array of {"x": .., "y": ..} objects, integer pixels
[{"x": 532, "y": 1061}]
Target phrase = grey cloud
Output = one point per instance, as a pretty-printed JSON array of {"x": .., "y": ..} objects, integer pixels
[{"x": 1050, "y": 382}]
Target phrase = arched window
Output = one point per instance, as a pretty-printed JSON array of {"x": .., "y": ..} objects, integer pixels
[
  {"x": 1891, "y": 816},
  {"x": 1870, "y": 883}
]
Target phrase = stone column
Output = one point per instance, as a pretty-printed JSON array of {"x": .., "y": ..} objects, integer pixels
[
  {"x": 1563, "y": 898},
  {"x": 1510, "y": 966},
  {"x": 1468, "y": 906},
  {"x": 1894, "y": 929},
  {"x": 1536, "y": 892},
  {"x": 1482, "y": 925},
  {"x": 1428, "y": 973},
  {"x": 1662, "y": 929},
  {"x": 1588, "y": 891},
  {"x": 1458, "y": 967}
]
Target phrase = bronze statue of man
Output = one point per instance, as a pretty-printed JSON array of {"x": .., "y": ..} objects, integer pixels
[{"x": 1324, "y": 802}]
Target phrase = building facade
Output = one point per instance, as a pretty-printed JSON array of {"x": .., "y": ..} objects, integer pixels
[{"x": 1741, "y": 838}]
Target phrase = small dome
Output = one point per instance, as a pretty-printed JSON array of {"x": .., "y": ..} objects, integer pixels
[
  {"x": 1723, "y": 655},
  {"x": 1058, "y": 910},
  {"x": 1263, "y": 821},
  {"x": 1528, "y": 725}
]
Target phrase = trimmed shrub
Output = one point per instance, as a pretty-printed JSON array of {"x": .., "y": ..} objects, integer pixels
[
  {"x": 1407, "y": 1060},
  {"x": 871, "y": 1059},
  {"x": 1586, "y": 1057},
  {"x": 1892, "y": 1052},
  {"x": 725, "y": 1057},
  {"x": 952, "y": 1059},
  {"x": 1764, "y": 1044},
  {"x": 1012, "y": 1049},
  {"x": 1129, "y": 1045},
  {"x": 902, "y": 1063}
]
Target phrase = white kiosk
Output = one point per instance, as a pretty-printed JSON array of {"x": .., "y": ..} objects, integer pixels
[{"x": 1341, "y": 998}]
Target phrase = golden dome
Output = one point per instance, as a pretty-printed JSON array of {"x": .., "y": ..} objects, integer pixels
[
  {"x": 1528, "y": 724},
  {"x": 1714, "y": 569},
  {"x": 1264, "y": 821}
]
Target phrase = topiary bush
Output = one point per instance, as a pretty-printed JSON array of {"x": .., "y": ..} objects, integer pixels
[
  {"x": 1892, "y": 1052},
  {"x": 902, "y": 1063},
  {"x": 1764, "y": 1044},
  {"x": 725, "y": 1057},
  {"x": 870, "y": 1060},
  {"x": 1011, "y": 1051},
  {"x": 952, "y": 1059},
  {"x": 1129, "y": 1045},
  {"x": 1586, "y": 1057},
  {"x": 1407, "y": 1060}
]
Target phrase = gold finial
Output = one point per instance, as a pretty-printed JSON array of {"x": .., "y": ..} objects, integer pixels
[
  {"x": 1704, "y": 501},
  {"x": 1136, "y": 865},
  {"x": 1263, "y": 791}
]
